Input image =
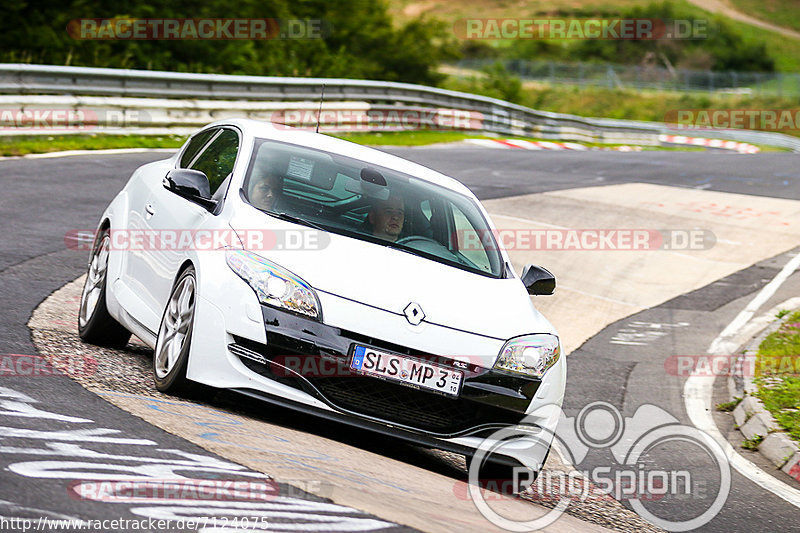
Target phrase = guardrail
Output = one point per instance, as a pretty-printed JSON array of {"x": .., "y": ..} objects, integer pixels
[{"x": 159, "y": 102}]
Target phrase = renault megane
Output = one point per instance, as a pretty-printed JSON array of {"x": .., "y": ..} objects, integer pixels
[{"x": 330, "y": 278}]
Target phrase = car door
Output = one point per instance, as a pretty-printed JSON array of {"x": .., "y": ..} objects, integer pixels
[
  {"x": 174, "y": 220},
  {"x": 132, "y": 287}
]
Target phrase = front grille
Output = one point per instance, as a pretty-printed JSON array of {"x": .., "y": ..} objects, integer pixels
[
  {"x": 410, "y": 407},
  {"x": 377, "y": 398}
]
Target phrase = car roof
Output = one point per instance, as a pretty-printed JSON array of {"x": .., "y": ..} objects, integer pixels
[{"x": 280, "y": 132}]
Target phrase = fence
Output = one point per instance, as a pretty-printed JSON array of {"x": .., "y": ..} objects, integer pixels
[{"x": 643, "y": 77}]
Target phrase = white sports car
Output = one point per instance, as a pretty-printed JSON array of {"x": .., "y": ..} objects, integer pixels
[{"x": 330, "y": 278}]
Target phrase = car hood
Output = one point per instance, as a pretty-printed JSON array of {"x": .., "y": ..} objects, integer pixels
[{"x": 390, "y": 279}]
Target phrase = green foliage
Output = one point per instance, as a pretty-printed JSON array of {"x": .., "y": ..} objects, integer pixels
[
  {"x": 727, "y": 407},
  {"x": 652, "y": 106},
  {"x": 499, "y": 83},
  {"x": 752, "y": 444},
  {"x": 779, "y": 12},
  {"x": 406, "y": 138},
  {"x": 359, "y": 40},
  {"x": 15, "y": 146},
  {"x": 778, "y": 371}
]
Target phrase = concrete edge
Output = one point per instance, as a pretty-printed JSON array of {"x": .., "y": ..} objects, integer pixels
[
  {"x": 750, "y": 415},
  {"x": 104, "y": 151}
]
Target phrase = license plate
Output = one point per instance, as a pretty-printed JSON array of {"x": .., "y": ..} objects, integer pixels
[{"x": 406, "y": 370}]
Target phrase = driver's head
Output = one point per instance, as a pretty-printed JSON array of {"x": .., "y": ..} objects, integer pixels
[
  {"x": 387, "y": 217},
  {"x": 265, "y": 190}
]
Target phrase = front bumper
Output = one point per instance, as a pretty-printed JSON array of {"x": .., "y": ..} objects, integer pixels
[{"x": 314, "y": 358}]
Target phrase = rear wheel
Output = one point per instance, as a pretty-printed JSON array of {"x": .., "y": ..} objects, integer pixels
[
  {"x": 95, "y": 324},
  {"x": 171, "y": 354}
]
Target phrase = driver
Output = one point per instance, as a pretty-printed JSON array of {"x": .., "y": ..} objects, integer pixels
[
  {"x": 264, "y": 192},
  {"x": 387, "y": 217}
]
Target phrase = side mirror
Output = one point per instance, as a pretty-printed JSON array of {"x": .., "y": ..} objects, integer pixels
[
  {"x": 190, "y": 184},
  {"x": 538, "y": 280}
]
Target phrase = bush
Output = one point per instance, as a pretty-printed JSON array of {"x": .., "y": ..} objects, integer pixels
[
  {"x": 361, "y": 43},
  {"x": 724, "y": 49}
]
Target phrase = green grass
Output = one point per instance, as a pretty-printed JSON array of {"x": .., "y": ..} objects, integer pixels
[
  {"x": 14, "y": 146},
  {"x": 408, "y": 138},
  {"x": 17, "y": 146},
  {"x": 778, "y": 374},
  {"x": 779, "y": 12},
  {"x": 426, "y": 137},
  {"x": 727, "y": 407},
  {"x": 784, "y": 50},
  {"x": 651, "y": 106},
  {"x": 752, "y": 444}
]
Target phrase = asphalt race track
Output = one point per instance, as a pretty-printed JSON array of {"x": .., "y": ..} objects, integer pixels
[{"x": 44, "y": 419}]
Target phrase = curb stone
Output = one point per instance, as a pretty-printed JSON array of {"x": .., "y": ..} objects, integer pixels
[{"x": 753, "y": 420}]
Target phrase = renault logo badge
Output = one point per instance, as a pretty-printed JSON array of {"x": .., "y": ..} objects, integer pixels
[{"x": 414, "y": 313}]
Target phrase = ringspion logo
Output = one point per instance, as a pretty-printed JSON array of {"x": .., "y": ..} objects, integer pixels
[{"x": 630, "y": 473}]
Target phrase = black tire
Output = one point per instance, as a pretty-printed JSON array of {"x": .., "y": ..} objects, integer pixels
[
  {"x": 95, "y": 324},
  {"x": 177, "y": 324}
]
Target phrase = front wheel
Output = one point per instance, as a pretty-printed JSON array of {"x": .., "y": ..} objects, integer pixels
[
  {"x": 171, "y": 354},
  {"x": 95, "y": 324}
]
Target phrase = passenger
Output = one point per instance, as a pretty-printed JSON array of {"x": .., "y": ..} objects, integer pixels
[
  {"x": 265, "y": 191},
  {"x": 387, "y": 217}
]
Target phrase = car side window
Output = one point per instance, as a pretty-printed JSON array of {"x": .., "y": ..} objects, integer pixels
[
  {"x": 195, "y": 145},
  {"x": 218, "y": 158}
]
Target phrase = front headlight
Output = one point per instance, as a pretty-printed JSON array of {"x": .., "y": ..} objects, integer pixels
[
  {"x": 530, "y": 355},
  {"x": 274, "y": 285}
]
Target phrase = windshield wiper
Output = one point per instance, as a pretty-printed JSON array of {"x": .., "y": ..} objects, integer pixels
[
  {"x": 407, "y": 249},
  {"x": 297, "y": 220}
]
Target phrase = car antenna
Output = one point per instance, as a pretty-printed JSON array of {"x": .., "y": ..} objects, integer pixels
[{"x": 319, "y": 113}]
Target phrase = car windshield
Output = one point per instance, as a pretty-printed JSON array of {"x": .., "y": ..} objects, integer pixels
[{"x": 371, "y": 203}]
